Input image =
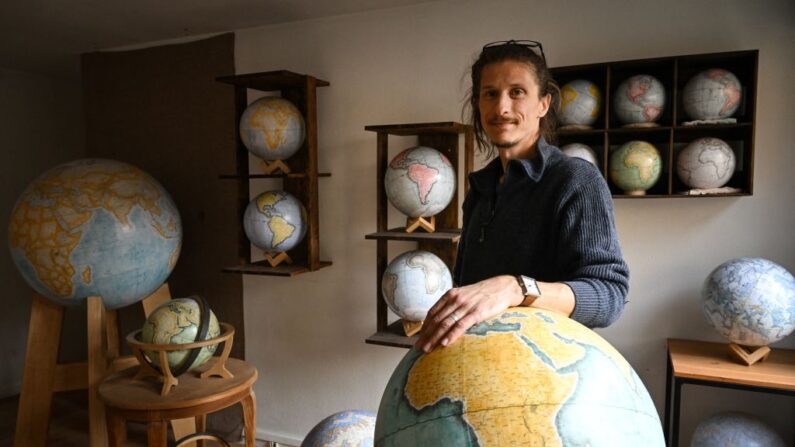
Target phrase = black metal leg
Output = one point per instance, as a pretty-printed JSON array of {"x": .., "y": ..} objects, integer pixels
[
  {"x": 676, "y": 404},
  {"x": 667, "y": 413}
]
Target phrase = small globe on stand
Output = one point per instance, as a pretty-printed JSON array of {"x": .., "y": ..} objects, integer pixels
[
  {"x": 351, "y": 428},
  {"x": 178, "y": 321},
  {"x": 706, "y": 163},
  {"x": 635, "y": 167},
  {"x": 582, "y": 151},
  {"x": 735, "y": 429},
  {"x": 639, "y": 101},
  {"x": 95, "y": 227},
  {"x": 580, "y": 104},
  {"x": 420, "y": 182},
  {"x": 527, "y": 377},
  {"x": 273, "y": 129},
  {"x": 275, "y": 221},
  {"x": 413, "y": 282},
  {"x": 713, "y": 96},
  {"x": 750, "y": 302}
]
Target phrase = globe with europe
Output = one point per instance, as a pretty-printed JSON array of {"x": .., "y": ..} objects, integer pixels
[
  {"x": 95, "y": 227},
  {"x": 272, "y": 128},
  {"x": 527, "y": 377}
]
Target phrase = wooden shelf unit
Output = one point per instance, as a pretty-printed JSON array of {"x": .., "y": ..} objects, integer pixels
[
  {"x": 444, "y": 137},
  {"x": 302, "y": 182},
  {"x": 670, "y": 136}
]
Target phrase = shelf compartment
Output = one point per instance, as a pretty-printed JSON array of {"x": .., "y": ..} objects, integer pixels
[{"x": 263, "y": 268}]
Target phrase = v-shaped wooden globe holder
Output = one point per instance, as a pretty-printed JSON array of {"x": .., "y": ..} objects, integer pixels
[
  {"x": 414, "y": 223},
  {"x": 43, "y": 375},
  {"x": 273, "y": 166},
  {"x": 749, "y": 354}
]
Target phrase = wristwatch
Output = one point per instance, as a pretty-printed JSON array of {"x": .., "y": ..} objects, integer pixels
[{"x": 529, "y": 289}]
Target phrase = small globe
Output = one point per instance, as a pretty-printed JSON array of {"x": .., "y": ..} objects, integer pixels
[
  {"x": 272, "y": 128},
  {"x": 635, "y": 167},
  {"x": 413, "y": 282},
  {"x": 95, "y": 227},
  {"x": 420, "y": 181},
  {"x": 580, "y": 103},
  {"x": 177, "y": 321},
  {"x": 639, "y": 100},
  {"x": 524, "y": 378},
  {"x": 706, "y": 163},
  {"x": 583, "y": 151},
  {"x": 352, "y": 428},
  {"x": 713, "y": 94},
  {"x": 275, "y": 221},
  {"x": 750, "y": 301},
  {"x": 735, "y": 429}
]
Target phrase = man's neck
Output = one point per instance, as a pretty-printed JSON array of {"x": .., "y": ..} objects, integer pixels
[{"x": 519, "y": 151}]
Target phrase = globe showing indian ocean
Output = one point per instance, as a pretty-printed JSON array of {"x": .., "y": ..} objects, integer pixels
[
  {"x": 635, "y": 167},
  {"x": 413, "y": 282},
  {"x": 735, "y": 429},
  {"x": 272, "y": 128},
  {"x": 580, "y": 103},
  {"x": 420, "y": 181},
  {"x": 351, "y": 428},
  {"x": 750, "y": 301},
  {"x": 527, "y": 377},
  {"x": 275, "y": 221},
  {"x": 177, "y": 321},
  {"x": 95, "y": 227},
  {"x": 640, "y": 99},
  {"x": 713, "y": 94},
  {"x": 705, "y": 163}
]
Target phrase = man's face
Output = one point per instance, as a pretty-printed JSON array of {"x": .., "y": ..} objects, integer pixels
[{"x": 510, "y": 109}]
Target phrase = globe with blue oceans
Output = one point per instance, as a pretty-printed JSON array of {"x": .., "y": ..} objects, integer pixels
[
  {"x": 635, "y": 167},
  {"x": 413, "y": 282},
  {"x": 275, "y": 221},
  {"x": 750, "y": 301},
  {"x": 527, "y": 377},
  {"x": 580, "y": 103},
  {"x": 733, "y": 428},
  {"x": 351, "y": 428},
  {"x": 272, "y": 128},
  {"x": 95, "y": 227},
  {"x": 420, "y": 181}
]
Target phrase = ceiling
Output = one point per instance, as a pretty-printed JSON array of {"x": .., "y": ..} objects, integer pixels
[{"x": 46, "y": 36}]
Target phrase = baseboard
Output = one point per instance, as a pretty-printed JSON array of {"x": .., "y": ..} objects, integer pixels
[{"x": 281, "y": 438}]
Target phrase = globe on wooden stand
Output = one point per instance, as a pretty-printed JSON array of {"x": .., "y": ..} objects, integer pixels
[
  {"x": 275, "y": 222},
  {"x": 273, "y": 129}
]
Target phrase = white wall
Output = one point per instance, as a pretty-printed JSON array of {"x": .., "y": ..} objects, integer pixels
[
  {"x": 306, "y": 334},
  {"x": 41, "y": 125}
]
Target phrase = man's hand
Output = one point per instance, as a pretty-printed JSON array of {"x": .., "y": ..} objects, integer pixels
[{"x": 463, "y": 307}]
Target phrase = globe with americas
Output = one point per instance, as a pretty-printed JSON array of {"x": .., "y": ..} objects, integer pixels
[
  {"x": 639, "y": 100},
  {"x": 275, "y": 221},
  {"x": 420, "y": 181}
]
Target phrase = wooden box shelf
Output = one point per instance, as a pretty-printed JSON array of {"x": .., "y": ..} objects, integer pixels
[
  {"x": 444, "y": 137},
  {"x": 302, "y": 182},
  {"x": 670, "y": 135}
]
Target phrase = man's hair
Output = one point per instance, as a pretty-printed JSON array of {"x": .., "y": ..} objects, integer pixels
[{"x": 546, "y": 85}]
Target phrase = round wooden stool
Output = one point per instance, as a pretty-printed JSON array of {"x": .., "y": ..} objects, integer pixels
[{"x": 140, "y": 400}]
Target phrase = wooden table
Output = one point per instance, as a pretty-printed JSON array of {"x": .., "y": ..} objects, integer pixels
[
  {"x": 140, "y": 400},
  {"x": 711, "y": 364}
]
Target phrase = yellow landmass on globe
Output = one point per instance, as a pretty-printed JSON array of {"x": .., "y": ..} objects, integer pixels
[
  {"x": 265, "y": 201},
  {"x": 47, "y": 231},
  {"x": 594, "y": 90},
  {"x": 271, "y": 119},
  {"x": 567, "y": 94},
  {"x": 281, "y": 230},
  {"x": 642, "y": 158}
]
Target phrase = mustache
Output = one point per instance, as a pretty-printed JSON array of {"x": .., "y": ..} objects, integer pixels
[{"x": 503, "y": 121}]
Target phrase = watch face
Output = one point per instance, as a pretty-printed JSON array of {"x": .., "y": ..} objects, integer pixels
[{"x": 530, "y": 286}]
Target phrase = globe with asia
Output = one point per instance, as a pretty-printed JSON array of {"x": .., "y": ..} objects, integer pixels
[
  {"x": 275, "y": 221},
  {"x": 712, "y": 95},
  {"x": 635, "y": 167},
  {"x": 524, "y": 378},
  {"x": 580, "y": 103},
  {"x": 350, "y": 428},
  {"x": 750, "y": 301},
  {"x": 420, "y": 181},
  {"x": 272, "y": 128},
  {"x": 705, "y": 163},
  {"x": 95, "y": 227},
  {"x": 413, "y": 282},
  {"x": 639, "y": 100}
]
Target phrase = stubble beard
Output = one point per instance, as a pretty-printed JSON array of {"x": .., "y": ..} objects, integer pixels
[{"x": 505, "y": 145}]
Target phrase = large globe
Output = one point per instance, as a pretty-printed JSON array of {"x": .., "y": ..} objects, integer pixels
[
  {"x": 713, "y": 94},
  {"x": 272, "y": 128},
  {"x": 735, "y": 429},
  {"x": 351, "y": 428},
  {"x": 177, "y": 321},
  {"x": 583, "y": 151},
  {"x": 95, "y": 227},
  {"x": 580, "y": 103},
  {"x": 635, "y": 167},
  {"x": 706, "y": 163},
  {"x": 420, "y": 181},
  {"x": 413, "y": 282},
  {"x": 750, "y": 301},
  {"x": 640, "y": 99},
  {"x": 527, "y": 377},
  {"x": 275, "y": 221}
]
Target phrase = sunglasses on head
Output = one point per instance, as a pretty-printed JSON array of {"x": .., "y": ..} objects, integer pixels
[{"x": 531, "y": 44}]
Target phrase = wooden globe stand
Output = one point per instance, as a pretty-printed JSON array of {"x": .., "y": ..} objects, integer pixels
[
  {"x": 749, "y": 354},
  {"x": 163, "y": 373},
  {"x": 273, "y": 166},
  {"x": 411, "y": 327},
  {"x": 414, "y": 223},
  {"x": 275, "y": 260}
]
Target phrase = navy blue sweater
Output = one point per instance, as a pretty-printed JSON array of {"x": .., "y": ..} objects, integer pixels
[{"x": 551, "y": 219}]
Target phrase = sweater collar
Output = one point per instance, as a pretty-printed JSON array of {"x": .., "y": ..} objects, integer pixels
[{"x": 533, "y": 169}]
